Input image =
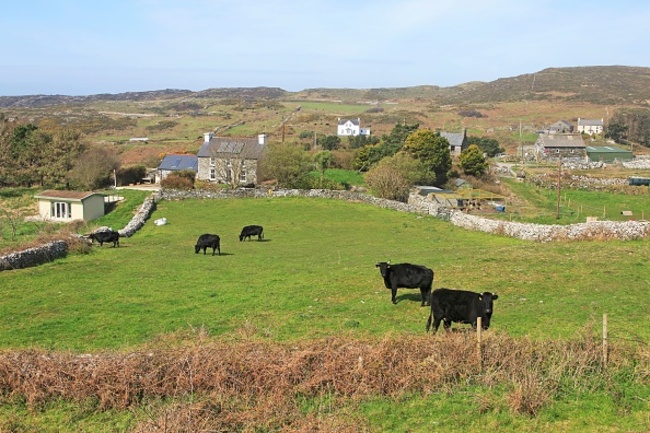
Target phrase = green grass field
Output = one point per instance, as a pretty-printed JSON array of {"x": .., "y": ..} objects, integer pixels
[{"x": 313, "y": 277}]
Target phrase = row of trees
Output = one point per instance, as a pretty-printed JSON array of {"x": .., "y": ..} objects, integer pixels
[
  {"x": 30, "y": 157},
  {"x": 404, "y": 157},
  {"x": 630, "y": 125}
]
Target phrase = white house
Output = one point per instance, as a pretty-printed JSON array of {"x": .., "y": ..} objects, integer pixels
[
  {"x": 351, "y": 128},
  {"x": 590, "y": 126},
  {"x": 67, "y": 206}
]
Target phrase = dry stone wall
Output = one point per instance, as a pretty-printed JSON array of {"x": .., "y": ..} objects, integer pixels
[
  {"x": 597, "y": 230},
  {"x": 59, "y": 248}
]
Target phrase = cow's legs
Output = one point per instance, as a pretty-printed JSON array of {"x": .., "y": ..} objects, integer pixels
[
  {"x": 394, "y": 294},
  {"x": 425, "y": 292},
  {"x": 429, "y": 321}
]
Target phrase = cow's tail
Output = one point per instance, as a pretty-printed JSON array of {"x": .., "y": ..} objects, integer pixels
[{"x": 429, "y": 321}]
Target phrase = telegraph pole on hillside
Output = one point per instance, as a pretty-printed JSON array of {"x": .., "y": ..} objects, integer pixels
[{"x": 559, "y": 179}]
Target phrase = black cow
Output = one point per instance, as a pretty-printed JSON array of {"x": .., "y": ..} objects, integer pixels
[
  {"x": 408, "y": 276},
  {"x": 460, "y": 306},
  {"x": 105, "y": 236},
  {"x": 249, "y": 231},
  {"x": 206, "y": 241}
]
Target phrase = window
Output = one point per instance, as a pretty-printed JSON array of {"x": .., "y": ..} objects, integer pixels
[
  {"x": 213, "y": 173},
  {"x": 61, "y": 210},
  {"x": 213, "y": 161}
]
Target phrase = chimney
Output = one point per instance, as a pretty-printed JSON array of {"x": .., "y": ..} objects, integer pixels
[
  {"x": 261, "y": 139},
  {"x": 207, "y": 137}
]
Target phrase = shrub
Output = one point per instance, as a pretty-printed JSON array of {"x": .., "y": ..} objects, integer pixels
[{"x": 174, "y": 181}]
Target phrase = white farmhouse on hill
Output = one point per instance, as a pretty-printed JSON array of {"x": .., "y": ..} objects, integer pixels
[
  {"x": 351, "y": 128},
  {"x": 590, "y": 126}
]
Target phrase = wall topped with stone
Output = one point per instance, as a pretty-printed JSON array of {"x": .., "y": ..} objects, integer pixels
[
  {"x": 34, "y": 256},
  {"x": 597, "y": 230},
  {"x": 59, "y": 248}
]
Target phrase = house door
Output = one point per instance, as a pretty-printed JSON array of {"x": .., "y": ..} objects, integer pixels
[{"x": 61, "y": 210}]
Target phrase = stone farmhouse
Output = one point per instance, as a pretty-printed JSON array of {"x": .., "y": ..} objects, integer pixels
[
  {"x": 565, "y": 146},
  {"x": 351, "y": 128},
  {"x": 229, "y": 160},
  {"x": 457, "y": 141},
  {"x": 560, "y": 127}
]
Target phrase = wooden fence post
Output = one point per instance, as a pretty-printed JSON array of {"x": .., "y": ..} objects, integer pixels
[
  {"x": 605, "y": 346},
  {"x": 479, "y": 351}
]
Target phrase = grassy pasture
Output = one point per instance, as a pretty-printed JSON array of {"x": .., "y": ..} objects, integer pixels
[
  {"x": 313, "y": 276},
  {"x": 539, "y": 205}
]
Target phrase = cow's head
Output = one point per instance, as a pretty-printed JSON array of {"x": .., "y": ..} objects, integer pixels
[
  {"x": 197, "y": 248},
  {"x": 383, "y": 268},
  {"x": 488, "y": 298}
]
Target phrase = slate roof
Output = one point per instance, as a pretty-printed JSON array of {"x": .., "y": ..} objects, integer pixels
[
  {"x": 179, "y": 162},
  {"x": 356, "y": 122},
  {"x": 455, "y": 139},
  {"x": 561, "y": 141},
  {"x": 590, "y": 122},
  {"x": 228, "y": 147}
]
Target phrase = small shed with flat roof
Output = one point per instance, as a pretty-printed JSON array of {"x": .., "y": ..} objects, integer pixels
[{"x": 67, "y": 206}]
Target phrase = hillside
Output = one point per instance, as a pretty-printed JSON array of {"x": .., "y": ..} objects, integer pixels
[
  {"x": 625, "y": 85},
  {"x": 509, "y": 110}
]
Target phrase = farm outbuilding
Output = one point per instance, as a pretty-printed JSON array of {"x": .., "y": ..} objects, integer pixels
[
  {"x": 608, "y": 154},
  {"x": 67, "y": 206}
]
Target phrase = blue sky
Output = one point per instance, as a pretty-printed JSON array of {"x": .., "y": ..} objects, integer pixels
[{"x": 85, "y": 47}]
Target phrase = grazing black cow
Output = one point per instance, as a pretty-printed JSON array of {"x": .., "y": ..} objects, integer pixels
[
  {"x": 460, "y": 306},
  {"x": 105, "y": 236},
  {"x": 206, "y": 241},
  {"x": 408, "y": 276},
  {"x": 249, "y": 231}
]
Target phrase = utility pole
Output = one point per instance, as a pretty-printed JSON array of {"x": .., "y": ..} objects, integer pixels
[
  {"x": 559, "y": 178},
  {"x": 521, "y": 143}
]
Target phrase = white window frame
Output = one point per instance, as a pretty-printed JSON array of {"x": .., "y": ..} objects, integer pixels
[{"x": 61, "y": 210}]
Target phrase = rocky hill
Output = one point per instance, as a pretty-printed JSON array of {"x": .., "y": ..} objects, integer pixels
[{"x": 610, "y": 85}]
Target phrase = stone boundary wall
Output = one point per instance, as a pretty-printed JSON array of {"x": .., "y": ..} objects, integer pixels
[
  {"x": 59, "y": 248},
  {"x": 34, "y": 256},
  {"x": 597, "y": 230}
]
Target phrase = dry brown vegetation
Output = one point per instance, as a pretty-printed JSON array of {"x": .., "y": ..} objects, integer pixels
[{"x": 247, "y": 384}]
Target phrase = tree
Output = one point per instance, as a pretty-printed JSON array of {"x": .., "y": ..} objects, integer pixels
[
  {"x": 358, "y": 141},
  {"x": 473, "y": 162},
  {"x": 387, "y": 182},
  {"x": 323, "y": 160},
  {"x": 490, "y": 146},
  {"x": 433, "y": 152},
  {"x": 230, "y": 170},
  {"x": 94, "y": 168},
  {"x": 369, "y": 155},
  {"x": 398, "y": 135},
  {"x": 288, "y": 164},
  {"x": 329, "y": 142}
]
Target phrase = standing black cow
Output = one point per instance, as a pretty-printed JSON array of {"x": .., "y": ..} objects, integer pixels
[
  {"x": 206, "y": 241},
  {"x": 105, "y": 236},
  {"x": 460, "y": 306},
  {"x": 408, "y": 276},
  {"x": 249, "y": 231}
]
